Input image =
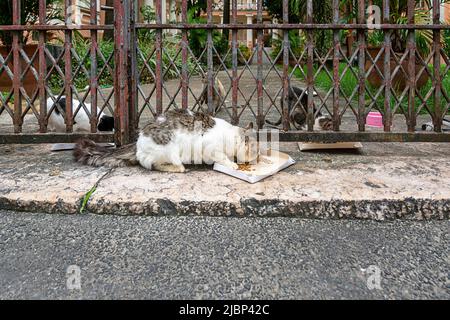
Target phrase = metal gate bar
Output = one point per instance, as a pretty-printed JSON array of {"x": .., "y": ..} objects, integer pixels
[{"x": 126, "y": 78}]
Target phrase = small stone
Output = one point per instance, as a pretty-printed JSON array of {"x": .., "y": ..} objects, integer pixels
[{"x": 54, "y": 172}]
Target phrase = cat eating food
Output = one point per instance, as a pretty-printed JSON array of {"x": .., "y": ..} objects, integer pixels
[{"x": 177, "y": 138}]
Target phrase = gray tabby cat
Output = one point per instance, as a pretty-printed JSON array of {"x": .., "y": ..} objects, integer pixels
[
  {"x": 297, "y": 117},
  {"x": 174, "y": 139},
  {"x": 218, "y": 94}
]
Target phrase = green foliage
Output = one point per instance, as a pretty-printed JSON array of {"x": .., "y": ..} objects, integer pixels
[
  {"x": 446, "y": 42},
  {"x": 375, "y": 38},
  {"x": 349, "y": 82},
  {"x": 296, "y": 42},
  {"x": 86, "y": 198},
  {"x": 322, "y": 10},
  {"x": 422, "y": 16},
  {"x": 149, "y": 16},
  {"x": 198, "y": 37},
  {"x": 196, "y": 7},
  {"x": 171, "y": 62},
  {"x": 246, "y": 53},
  {"x": 81, "y": 79},
  {"x": 323, "y": 81},
  {"x": 171, "y": 59}
]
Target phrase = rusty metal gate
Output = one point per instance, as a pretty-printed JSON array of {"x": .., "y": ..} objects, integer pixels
[{"x": 150, "y": 67}]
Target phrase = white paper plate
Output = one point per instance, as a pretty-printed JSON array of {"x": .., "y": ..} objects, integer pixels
[{"x": 260, "y": 171}]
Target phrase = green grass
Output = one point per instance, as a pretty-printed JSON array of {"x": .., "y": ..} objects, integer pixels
[
  {"x": 86, "y": 198},
  {"x": 349, "y": 82}
]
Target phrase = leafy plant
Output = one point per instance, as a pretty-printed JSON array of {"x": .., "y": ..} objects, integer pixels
[
  {"x": 422, "y": 16},
  {"x": 246, "y": 53},
  {"x": 322, "y": 13},
  {"x": 447, "y": 42},
  {"x": 82, "y": 48},
  {"x": 296, "y": 42},
  {"x": 349, "y": 82},
  {"x": 198, "y": 37},
  {"x": 171, "y": 59},
  {"x": 149, "y": 16},
  {"x": 375, "y": 38}
]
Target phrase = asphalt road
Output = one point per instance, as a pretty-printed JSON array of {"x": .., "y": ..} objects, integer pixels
[{"x": 220, "y": 258}]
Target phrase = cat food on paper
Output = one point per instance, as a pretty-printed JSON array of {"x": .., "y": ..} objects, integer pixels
[{"x": 266, "y": 166}]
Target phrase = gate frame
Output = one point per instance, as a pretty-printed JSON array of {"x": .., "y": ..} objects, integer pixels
[{"x": 125, "y": 80}]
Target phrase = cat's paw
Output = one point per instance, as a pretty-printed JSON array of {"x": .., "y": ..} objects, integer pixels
[
  {"x": 233, "y": 166},
  {"x": 179, "y": 169}
]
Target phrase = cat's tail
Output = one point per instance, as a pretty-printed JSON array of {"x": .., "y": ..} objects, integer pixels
[
  {"x": 90, "y": 153},
  {"x": 274, "y": 123}
]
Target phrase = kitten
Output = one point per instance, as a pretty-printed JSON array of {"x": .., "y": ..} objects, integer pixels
[
  {"x": 218, "y": 94},
  {"x": 174, "y": 139},
  {"x": 81, "y": 122},
  {"x": 429, "y": 126},
  {"x": 297, "y": 118}
]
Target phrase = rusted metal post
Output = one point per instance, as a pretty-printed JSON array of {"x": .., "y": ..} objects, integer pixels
[
  {"x": 42, "y": 70},
  {"x": 259, "y": 72},
  {"x": 68, "y": 65},
  {"x": 336, "y": 76},
  {"x": 184, "y": 57},
  {"x": 411, "y": 45},
  {"x": 93, "y": 80},
  {"x": 387, "y": 69},
  {"x": 310, "y": 66},
  {"x": 361, "y": 63},
  {"x": 133, "y": 74},
  {"x": 286, "y": 44},
  {"x": 234, "y": 60},
  {"x": 158, "y": 55},
  {"x": 17, "y": 80},
  {"x": 122, "y": 88},
  {"x": 210, "y": 59},
  {"x": 437, "y": 81}
]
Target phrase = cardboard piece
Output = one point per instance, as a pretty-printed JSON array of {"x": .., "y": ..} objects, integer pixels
[
  {"x": 267, "y": 166},
  {"x": 71, "y": 146},
  {"x": 305, "y": 146}
]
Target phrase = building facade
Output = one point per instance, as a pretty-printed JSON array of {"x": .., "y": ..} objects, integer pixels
[
  {"x": 445, "y": 13},
  {"x": 246, "y": 14}
]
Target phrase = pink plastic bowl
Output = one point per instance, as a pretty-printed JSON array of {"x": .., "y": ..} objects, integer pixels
[{"x": 374, "y": 119}]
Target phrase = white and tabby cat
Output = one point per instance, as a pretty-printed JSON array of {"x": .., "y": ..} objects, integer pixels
[
  {"x": 81, "y": 122},
  {"x": 175, "y": 139}
]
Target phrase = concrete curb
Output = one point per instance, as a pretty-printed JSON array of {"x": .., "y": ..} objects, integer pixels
[
  {"x": 379, "y": 210},
  {"x": 384, "y": 182}
]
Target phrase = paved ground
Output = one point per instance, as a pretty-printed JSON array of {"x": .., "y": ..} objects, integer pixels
[
  {"x": 221, "y": 258},
  {"x": 383, "y": 181}
]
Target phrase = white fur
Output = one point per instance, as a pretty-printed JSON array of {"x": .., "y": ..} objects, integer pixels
[
  {"x": 57, "y": 123},
  {"x": 317, "y": 126},
  {"x": 221, "y": 144}
]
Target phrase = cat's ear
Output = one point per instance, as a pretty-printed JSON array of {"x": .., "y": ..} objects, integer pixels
[{"x": 249, "y": 126}]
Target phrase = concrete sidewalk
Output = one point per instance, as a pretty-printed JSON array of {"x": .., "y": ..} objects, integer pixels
[{"x": 384, "y": 181}]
